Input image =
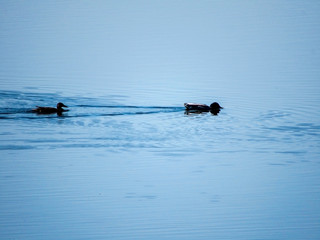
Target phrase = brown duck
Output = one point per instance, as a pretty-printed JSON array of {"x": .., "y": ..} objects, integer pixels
[{"x": 50, "y": 110}]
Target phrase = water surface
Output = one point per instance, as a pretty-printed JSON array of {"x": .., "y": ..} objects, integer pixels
[{"x": 126, "y": 162}]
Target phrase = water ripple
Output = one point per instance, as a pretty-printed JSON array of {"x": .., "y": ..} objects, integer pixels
[{"x": 102, "y": 123}]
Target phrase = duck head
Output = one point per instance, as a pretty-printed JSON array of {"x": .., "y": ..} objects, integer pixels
[
  {"x": 60, "y": 105},
  {"x": 215, "y": 108}
]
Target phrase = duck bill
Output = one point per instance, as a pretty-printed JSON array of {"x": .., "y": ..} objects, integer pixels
[{"x": 64, "y": 105}]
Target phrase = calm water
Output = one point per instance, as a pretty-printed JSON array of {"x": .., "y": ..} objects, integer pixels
[{"x": 126, "y": 162}]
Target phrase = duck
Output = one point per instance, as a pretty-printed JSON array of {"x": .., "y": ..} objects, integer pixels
[
  {"x": 214, "y": 108},
  {"x": 50, "y": 110}
]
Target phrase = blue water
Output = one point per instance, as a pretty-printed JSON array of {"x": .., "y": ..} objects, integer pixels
[{"x": 126, "y": 161}]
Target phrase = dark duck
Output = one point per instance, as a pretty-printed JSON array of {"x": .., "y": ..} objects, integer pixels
[
  {"x": 49, "y": 110},
  {"x": 214, "y": 108}
]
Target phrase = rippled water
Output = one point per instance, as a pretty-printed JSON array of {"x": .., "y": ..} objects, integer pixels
[
  {"x": 126, "y": 161},
  {"x": 104, "y": 170}
]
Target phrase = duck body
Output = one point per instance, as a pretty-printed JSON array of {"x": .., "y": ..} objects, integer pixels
[
  {"x": 196, "y": 107},
  {"x": 50, "y": 110},
  {"x": 214, "y": 108}
]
